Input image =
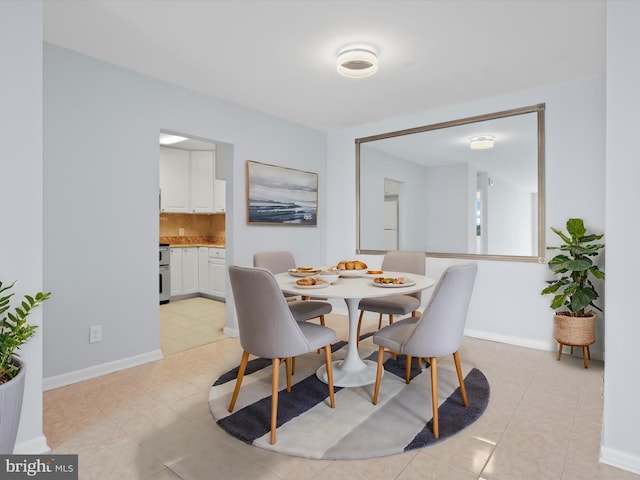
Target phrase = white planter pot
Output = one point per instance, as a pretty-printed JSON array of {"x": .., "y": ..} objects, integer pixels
[{"x": 10, "y": 409}]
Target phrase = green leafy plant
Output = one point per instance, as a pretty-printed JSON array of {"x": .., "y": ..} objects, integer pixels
[
  {"x": 573, "y": 289},
  {"x": 14, "y": 329}
]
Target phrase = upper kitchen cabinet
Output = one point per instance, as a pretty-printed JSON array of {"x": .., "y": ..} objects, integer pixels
[
  {"x": 219, "y": 195},
  {"x": 174, "y": 180},
  {"x": 188, "y": 183},
  {"x": 202, "y": 176}
]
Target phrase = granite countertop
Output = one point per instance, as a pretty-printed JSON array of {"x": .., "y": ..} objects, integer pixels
[
  {"x": 211, "y": 245},
  {"x": 193, "y": 241}
]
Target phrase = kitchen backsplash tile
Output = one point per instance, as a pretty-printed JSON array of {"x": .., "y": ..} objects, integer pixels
[{"x": 192, "y": 229}]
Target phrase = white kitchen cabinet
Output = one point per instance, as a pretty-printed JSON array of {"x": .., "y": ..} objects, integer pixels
[
  {"x": 187, "y": 182},
  {"x": 184, "y": 270},
  {"x": 175, "y": 268},
  {"x": 219, "y": 196},
  {"x": 201, "y": 197},
  {"x": 217, "y": 272},
  {"x": 203, "y": 270},
  {"x": 190, "y": 270},
  {"x": 174, "y": 180}
]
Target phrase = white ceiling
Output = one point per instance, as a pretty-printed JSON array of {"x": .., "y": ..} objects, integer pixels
[{"x": 279, "y": 56}]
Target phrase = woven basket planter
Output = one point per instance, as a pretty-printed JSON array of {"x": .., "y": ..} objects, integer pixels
[{"x": 574, "y": 331}]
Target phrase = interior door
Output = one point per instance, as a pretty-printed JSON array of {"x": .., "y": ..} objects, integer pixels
[{"x": 391, "y": 222}]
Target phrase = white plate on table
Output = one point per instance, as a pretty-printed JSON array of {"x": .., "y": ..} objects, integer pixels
[
  {"x": 407, "y": 282},
  {"x": 351, "y": 273},
  {"x": 303, "y": 273},
  {"x": 312, "y": 287}
]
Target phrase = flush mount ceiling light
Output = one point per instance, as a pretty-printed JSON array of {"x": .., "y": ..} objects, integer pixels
[
  {"x": 481, "y": 142},
  {"x": 166, "y": 139},
  {"x": 357, "y": 62}
]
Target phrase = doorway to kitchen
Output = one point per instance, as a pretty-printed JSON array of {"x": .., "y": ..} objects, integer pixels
[{"x": 192, "y": 221}]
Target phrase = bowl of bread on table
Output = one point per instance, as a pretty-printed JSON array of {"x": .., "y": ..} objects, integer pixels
[{"x": 351, "y": 268}]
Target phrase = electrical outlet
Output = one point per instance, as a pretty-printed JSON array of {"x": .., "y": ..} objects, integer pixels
[
  {"x": 95, "y": 333},
  {"x": 181, "y": 232}
]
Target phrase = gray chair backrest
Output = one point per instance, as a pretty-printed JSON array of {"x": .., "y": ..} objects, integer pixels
[
  {"x": 267, "y": 327},
  {"x": 439, "y": 330},
  {"x": 275, "y": 262},
  {"x": 410, "y": 262}
]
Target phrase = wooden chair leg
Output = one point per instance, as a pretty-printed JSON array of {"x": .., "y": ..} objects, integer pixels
[
  {"x": 463, "y": 390},
  {"x": 293, "y": 366},
  {"x": 407, "y": 369},
  {"x": 359, "y": 326},
  {"x": 376, "y": 390},
  {"x": 585, "y": 355},
  {"x": 241, "y": 369},
  {"x": 559, "y": 350},
  {"x": 379, "y": 321},
  {"x": 275, "y": 365},
  {"x": 414, "y": 313},
  {"x": 390, "y": 319},
  {"x": 287, "y": 364},
  {"x": 434, "y": 395},
  {"x": 327, "y": 359}
]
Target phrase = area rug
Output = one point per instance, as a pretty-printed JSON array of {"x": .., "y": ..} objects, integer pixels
[{"x": 355, "y": 429}]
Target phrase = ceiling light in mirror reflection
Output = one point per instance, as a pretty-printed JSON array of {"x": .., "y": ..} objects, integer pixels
[{"x": 481, "y": 142}]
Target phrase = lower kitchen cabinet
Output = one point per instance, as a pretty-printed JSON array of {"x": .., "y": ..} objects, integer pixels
[
  {"x": 213, "y": 271},
  {"x": 184, "y": 271}
]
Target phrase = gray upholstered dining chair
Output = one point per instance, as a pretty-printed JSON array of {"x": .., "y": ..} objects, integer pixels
[
  {"x": 280, "y": 262},
  {"x": 401, "y": 261},
  {"x": 437, "y": 333},
  {"x": 269, "y": 330}
]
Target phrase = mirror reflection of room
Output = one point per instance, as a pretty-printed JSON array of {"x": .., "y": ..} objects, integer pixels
[{"x": 467, "y": 188}]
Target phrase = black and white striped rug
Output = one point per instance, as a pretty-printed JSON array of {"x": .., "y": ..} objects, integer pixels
[{"x": 355, "y": 429}]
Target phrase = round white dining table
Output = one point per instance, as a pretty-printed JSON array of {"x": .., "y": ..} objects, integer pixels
[{"x": 353, "y": 371}]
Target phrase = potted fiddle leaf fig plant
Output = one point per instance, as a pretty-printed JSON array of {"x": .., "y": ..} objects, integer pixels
[
  {"x": 573, "y": 289},
  {"x": 14, "y": 332}
]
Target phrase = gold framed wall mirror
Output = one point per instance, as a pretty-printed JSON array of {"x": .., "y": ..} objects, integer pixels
[{"x": 429, "y": 189}]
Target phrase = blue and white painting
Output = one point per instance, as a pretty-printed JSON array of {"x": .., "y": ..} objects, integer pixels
[{"x": 279, "y": 195}]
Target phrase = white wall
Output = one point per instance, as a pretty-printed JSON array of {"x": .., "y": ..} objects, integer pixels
[
  {"x": 621, "y": 421},
  {"x": 446, "y": 212},
  {"x": 21, "y": 190},
  {"x": 101, "y": 181},
  {"x": 412, "y": 200},
  {"x": 507, "y": 304},
  {"x": 509, "y": 220}
]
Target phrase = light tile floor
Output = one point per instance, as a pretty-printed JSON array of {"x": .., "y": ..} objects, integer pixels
[
  {"x": 189, "y": 323},
  {"x": 152, "y": 422}
]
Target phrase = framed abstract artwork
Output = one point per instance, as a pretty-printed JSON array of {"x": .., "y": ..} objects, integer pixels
[{"x": 280, "y": 195}]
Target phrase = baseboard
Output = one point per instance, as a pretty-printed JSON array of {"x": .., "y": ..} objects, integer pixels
[
  {"x": 34, "y": 446},
  {"x": 550, "y": 346},
  {"x": 511, "y": 340},
  {"x": 619, "y": 459},
  {"x": 231, "y": 332},
  {"x": 69, "y": 378}
]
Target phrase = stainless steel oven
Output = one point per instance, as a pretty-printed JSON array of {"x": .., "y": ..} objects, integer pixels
[{"x": 165, "y": 273}]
